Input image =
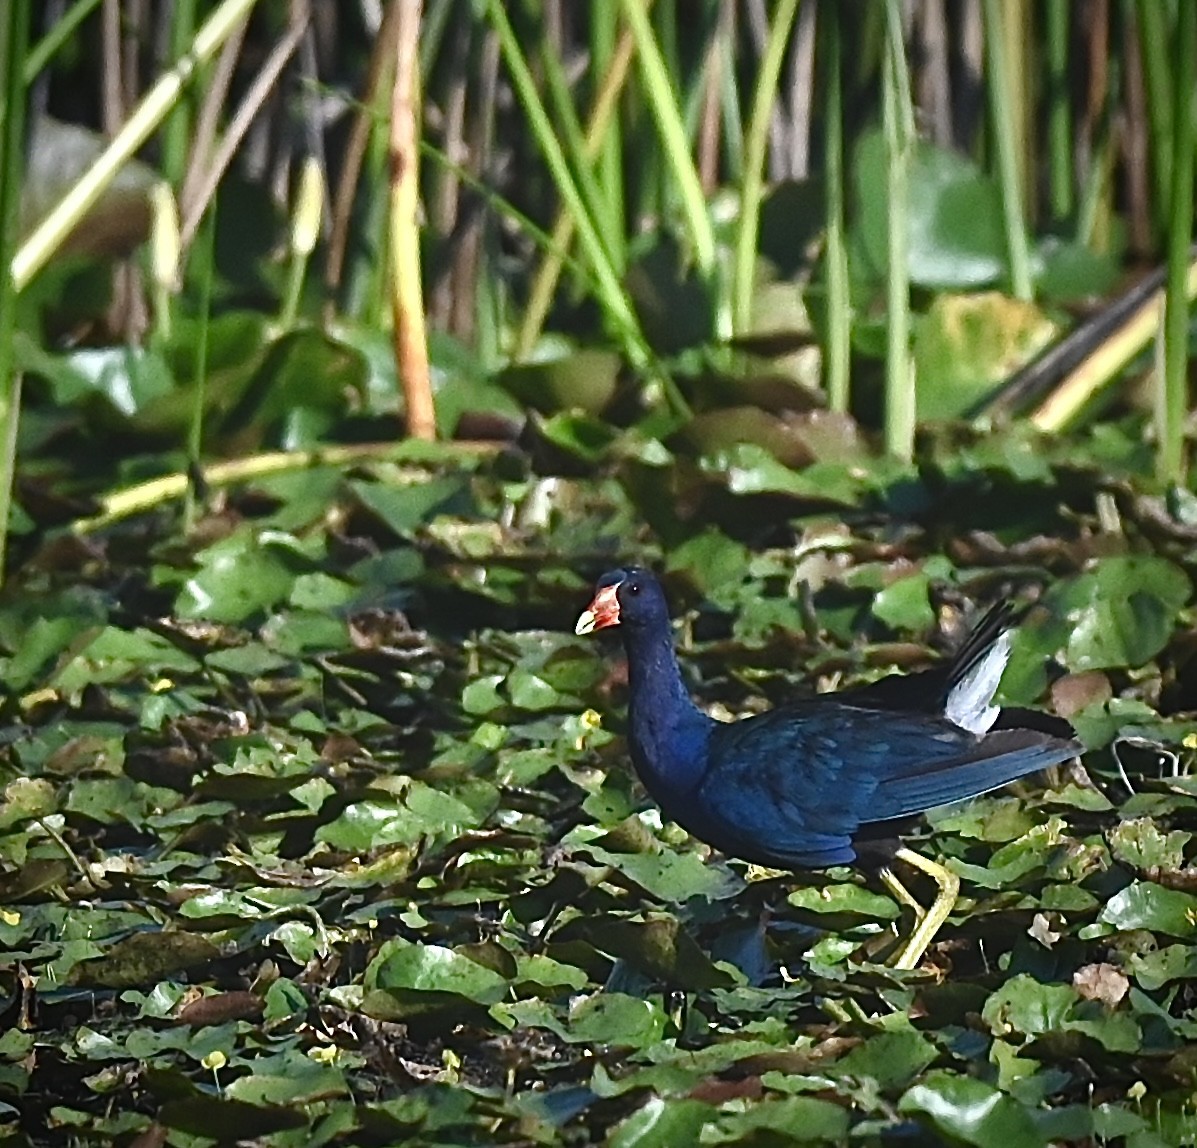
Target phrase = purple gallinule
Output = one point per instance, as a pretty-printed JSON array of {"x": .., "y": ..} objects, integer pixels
[{"x": 813, "y": 783}]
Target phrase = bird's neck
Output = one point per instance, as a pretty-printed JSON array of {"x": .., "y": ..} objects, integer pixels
[{"x": 668, "y": 734}]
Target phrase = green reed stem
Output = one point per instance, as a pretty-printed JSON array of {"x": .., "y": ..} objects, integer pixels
[
  {"x": 607, "y": 285},
  {"x": 175, "y": 136},
  {"x": 839, "y": 304},
  {"x": 898, "y": 123},
  {"x": 573, "y": 141},
  {"x": 1172, "y": 394},
  {"x": 667, "y": 114},
  {"x": 604, "y": 36},
  {"x": 1059, "y": 124},
  {"x": 62, "y": 219},
  {"x": 1152, "y": 21},
  {"x": 1002, "y": 117},
  {"x": 63, "y": 28},
  {"x": 205, "y": 268},
  {"x": 14, "y": 44},
  {"x": 544, "y": 285},
  {"x": 756, "y": 142}
]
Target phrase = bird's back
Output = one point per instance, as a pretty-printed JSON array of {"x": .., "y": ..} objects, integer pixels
[{"x": 792, "y": 787}]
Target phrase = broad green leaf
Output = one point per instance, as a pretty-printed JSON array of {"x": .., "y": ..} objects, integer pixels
[
  {"x": 115, "y": 655},
  {"x": 433, "y": 968},
  {"x": 24, "y": 798},
  {"x": 954, "y": 235},
  {"x": 616, "y": 1020},
  {"x": 288, "y": 1079},
  {"x": 239, "y": 576},
  {"x": 1121, "y": 613},
  {"x": 966, "y": 345},
  {"x": 971, "y": 1112},
  {"x": 905, "y": 604},
  {"x": 853, "y": 901},
  {"x": 575, "y": 379},
  {"x": 801, "y": 1119},
  {"x": 404, "y": 509},
  {"x": 1145, "y": 905},
  {"x": 661, "y": 1123},
  {"x": 892, "y": 1059}
]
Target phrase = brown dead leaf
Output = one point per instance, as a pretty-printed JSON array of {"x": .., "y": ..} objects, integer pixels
[
  {"x": 220, "y": 1008},
  {"x": 715, "y": 1091},
  {"x": 1073, "y": 692},
  {"x": 153, "y": 1137},
  {"x": 1041, "y": 929},
  {"x": 1101, "y": 982}
]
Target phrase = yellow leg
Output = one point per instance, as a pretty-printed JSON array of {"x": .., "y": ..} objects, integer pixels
[
  {"x": 931, "y": 921},
  {"x": 900, "y": 893}
]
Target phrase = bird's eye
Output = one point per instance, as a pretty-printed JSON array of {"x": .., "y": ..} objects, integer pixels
[{"x": 632, "y": 588}]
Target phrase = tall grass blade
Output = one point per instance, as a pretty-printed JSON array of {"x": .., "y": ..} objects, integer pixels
[
  {"x": 1059, "y": 115},
  {"x": 607, "y": 286},
  {"x": 603, "y": 120},
  {"x": 181, "y": 15},
  {"x": 14, "y": 43},
  {"x": 756, "y": 143},
  {"x": 56, "y": 35},
  {"x": 578, "y": 155},
  {"x": 839, "y": 303},
  {"x": 155, "y": 105},
  {"x": 1003, "y": 119},
  {"x": 1152, "y": 21},
  {"x": 898, "y": 124},
  {"x": 1172, "y": 393},
  {"x": 204, "y": 265},
  {"x": 604, "y": 47},
  {"x": 165, "y": 258},
  {"x": 669, "y": 119}
]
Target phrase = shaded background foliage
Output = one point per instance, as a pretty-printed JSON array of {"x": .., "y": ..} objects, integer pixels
[{"x": 315, "y": 820}]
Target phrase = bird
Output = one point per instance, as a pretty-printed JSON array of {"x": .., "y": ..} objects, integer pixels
[{"x": 828, "y": 780}]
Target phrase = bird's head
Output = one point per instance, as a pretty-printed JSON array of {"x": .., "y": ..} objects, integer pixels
[{"x": 630, "y": 597}]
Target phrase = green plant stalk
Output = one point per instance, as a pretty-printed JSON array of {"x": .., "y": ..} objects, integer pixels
[
  {"x": 1002, "y": 114},
  {"x": 755, "y": 144},
  {"x": 49, "y": 235},
  {"x": 206, "y": 275},
  {"x": 490, "y": 312},
  {"x": 664, "y": 35},
  {"x": 1059, "y": 129},
  {"x": 153, "y": 493},
  {"x": 897, "y": 120},
  {"x": 175, "y": 137},
  {"x": 485, "y": 191},
  {"x": 368, "y": 294},
  {"x": 1096, "y": 210},
  {"x": 433, "y": 26},
  {"x": 47, "y": 47},
  {"x": 839, "y": 303},
  {"x": 540, "y": 296},
  {"x": 1093, "y": 205},
  {"x": 1172, "y": 393},
  {"x": 164, "y": 261},
  {"x": 659, "y": 92},
  {"x": 14, "y": 43},
  {"x": 1152, "y": 17},
  {"x": 607, "y": 286},
  {"x": 604, "y": 33},
  {"x": 578, "y": 154},
  {"x": 307, "y": 212},
  {"x": 729, "y": 99},
  {"x": 505, "y": 207}
]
